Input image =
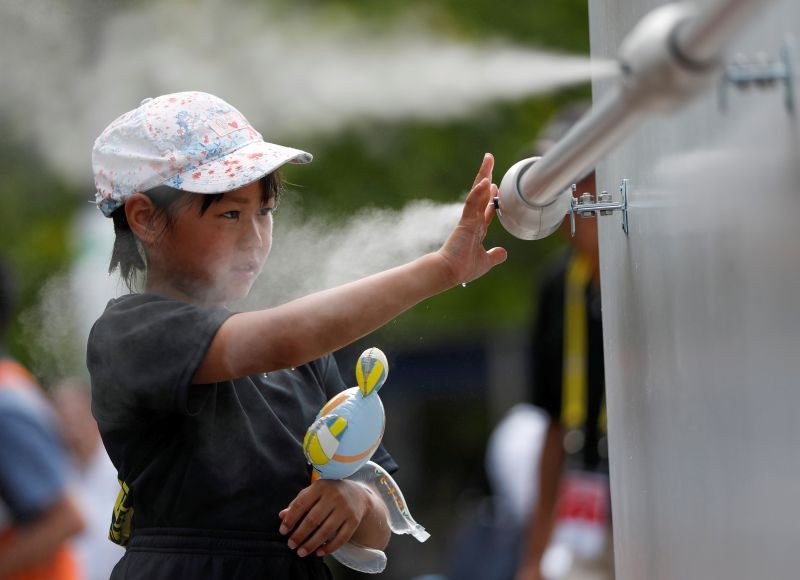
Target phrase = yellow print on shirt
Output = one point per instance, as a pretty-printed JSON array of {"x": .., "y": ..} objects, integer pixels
[{"x": 120, "y": 531}]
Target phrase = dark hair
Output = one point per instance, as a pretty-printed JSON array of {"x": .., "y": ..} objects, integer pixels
[
  {"x": 129, "y": 257},
  {"x": 7, "y": 297}
]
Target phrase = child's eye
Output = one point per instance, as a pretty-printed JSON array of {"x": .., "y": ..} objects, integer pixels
[
  {"x": 232, "y": 215},
  {"x": 266, "y": 211}
]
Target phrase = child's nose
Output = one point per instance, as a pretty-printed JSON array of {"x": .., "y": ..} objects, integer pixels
[{"x": 255, "y": 234}]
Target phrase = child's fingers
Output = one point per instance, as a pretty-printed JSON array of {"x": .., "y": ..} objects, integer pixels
[
  {"x": 497, "y": 256},
  {"x": 299, "y": 506},
  {"x": 314, "y": 529},
  {"x": 342, "y": 536},
  {"x": 478, "y": 198},
  {"x": 490, "y": 210},
  {"x": 485, "y": 170},
  {"x": 325, "y": 539}
]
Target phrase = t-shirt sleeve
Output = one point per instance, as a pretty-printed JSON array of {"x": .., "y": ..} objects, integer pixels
[
  {"x": 143, "y": 353},
  {"x": 33, "y": 467},
  {"x": 333, "y": 383}
]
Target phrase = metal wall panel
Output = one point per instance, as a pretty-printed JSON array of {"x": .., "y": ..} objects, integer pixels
[{"x": 701, "y": 310}]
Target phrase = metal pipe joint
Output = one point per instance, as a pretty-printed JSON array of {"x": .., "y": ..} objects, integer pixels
[{"x": 668, "y": 58}]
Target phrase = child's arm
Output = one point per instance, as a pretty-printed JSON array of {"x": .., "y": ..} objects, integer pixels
[
  {"x": 306, "y": 328},
  {"x": 329, "y": 513}
]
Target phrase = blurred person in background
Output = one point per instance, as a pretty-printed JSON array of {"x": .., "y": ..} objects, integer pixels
[
  {"x": 97, "y": 485},
  {"x": 38, "y": 512},
  {"x": 568, "y": 530},
  {"x": 487, "y": 544}
]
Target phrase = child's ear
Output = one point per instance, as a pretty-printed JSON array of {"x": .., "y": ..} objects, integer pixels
[{"x": 141, "y": 214}]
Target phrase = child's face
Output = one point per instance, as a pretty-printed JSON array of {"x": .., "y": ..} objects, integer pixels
[{"x": 214, "y": 257}]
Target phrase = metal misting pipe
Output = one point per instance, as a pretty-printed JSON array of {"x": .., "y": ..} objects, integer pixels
[{"x": 669, "y": 57}]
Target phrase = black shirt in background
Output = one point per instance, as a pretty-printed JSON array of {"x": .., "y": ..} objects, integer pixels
[{"x": 548, "y": 351}]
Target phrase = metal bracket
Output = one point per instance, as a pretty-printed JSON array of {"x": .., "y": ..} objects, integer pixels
[
  {"x": 762, "y": 73},
  {"x": 586, "y": 207}
]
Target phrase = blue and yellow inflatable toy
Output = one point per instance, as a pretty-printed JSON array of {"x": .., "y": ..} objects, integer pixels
[{"x": 349, "y": 428}]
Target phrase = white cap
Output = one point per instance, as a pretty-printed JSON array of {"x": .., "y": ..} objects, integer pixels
[{"x": 191, "y": 141}]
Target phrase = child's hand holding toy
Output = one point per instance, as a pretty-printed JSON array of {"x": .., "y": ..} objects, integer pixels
[{"x": 338, "y": 445}]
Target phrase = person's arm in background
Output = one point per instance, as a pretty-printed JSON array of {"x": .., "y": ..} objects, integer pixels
[
  {"x": 38, "y": 540},
  {"x": 33, "y": 479},
  {"x": 547, "y": 357},
  {"x": 541, "y": 521}
]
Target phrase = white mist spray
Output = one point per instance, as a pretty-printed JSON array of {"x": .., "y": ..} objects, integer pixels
[
  {"x": 308, "y": 255},
  {"x": 314, "y": 254},
  {"x": 69, "y": 72}
]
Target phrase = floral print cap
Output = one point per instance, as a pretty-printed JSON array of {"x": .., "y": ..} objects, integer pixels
[{"x": 191, "y": 141}]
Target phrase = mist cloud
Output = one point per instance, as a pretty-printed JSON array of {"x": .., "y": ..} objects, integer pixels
[
  {"x": 312, "y": 254},
  {"x": 70, "y": 68}
]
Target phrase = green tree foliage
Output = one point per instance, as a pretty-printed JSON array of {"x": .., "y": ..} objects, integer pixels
[
  {"x": 34, "y": 227},
  {"x": 553, "y": 24}
]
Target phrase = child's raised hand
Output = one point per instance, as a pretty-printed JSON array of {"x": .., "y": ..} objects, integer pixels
[
  {"x": 309, "y": 327},
  {"x": 325, "y": 515},
  {"x": 463, "y": 251}
]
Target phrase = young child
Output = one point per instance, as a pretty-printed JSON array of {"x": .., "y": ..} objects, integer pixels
[{"x": 203, "y": 410}]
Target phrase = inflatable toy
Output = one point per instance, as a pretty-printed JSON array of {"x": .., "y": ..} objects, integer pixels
[
  {"x": 349, "y": 428},
  {"x": 339, "y": 445}
]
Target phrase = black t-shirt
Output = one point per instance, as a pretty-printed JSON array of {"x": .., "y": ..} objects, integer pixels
[
  {"x": 548, "y": 351},
  {"x": 222, "y": 456}
]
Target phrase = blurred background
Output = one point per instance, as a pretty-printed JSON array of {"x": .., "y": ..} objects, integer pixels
[{"x": 397, "y": 100}]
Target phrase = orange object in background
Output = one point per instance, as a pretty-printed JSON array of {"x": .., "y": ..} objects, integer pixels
[{"x": 62, "y": 564}]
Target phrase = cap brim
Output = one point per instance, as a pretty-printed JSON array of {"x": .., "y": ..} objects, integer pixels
[{"x": 237, "y": 169}]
